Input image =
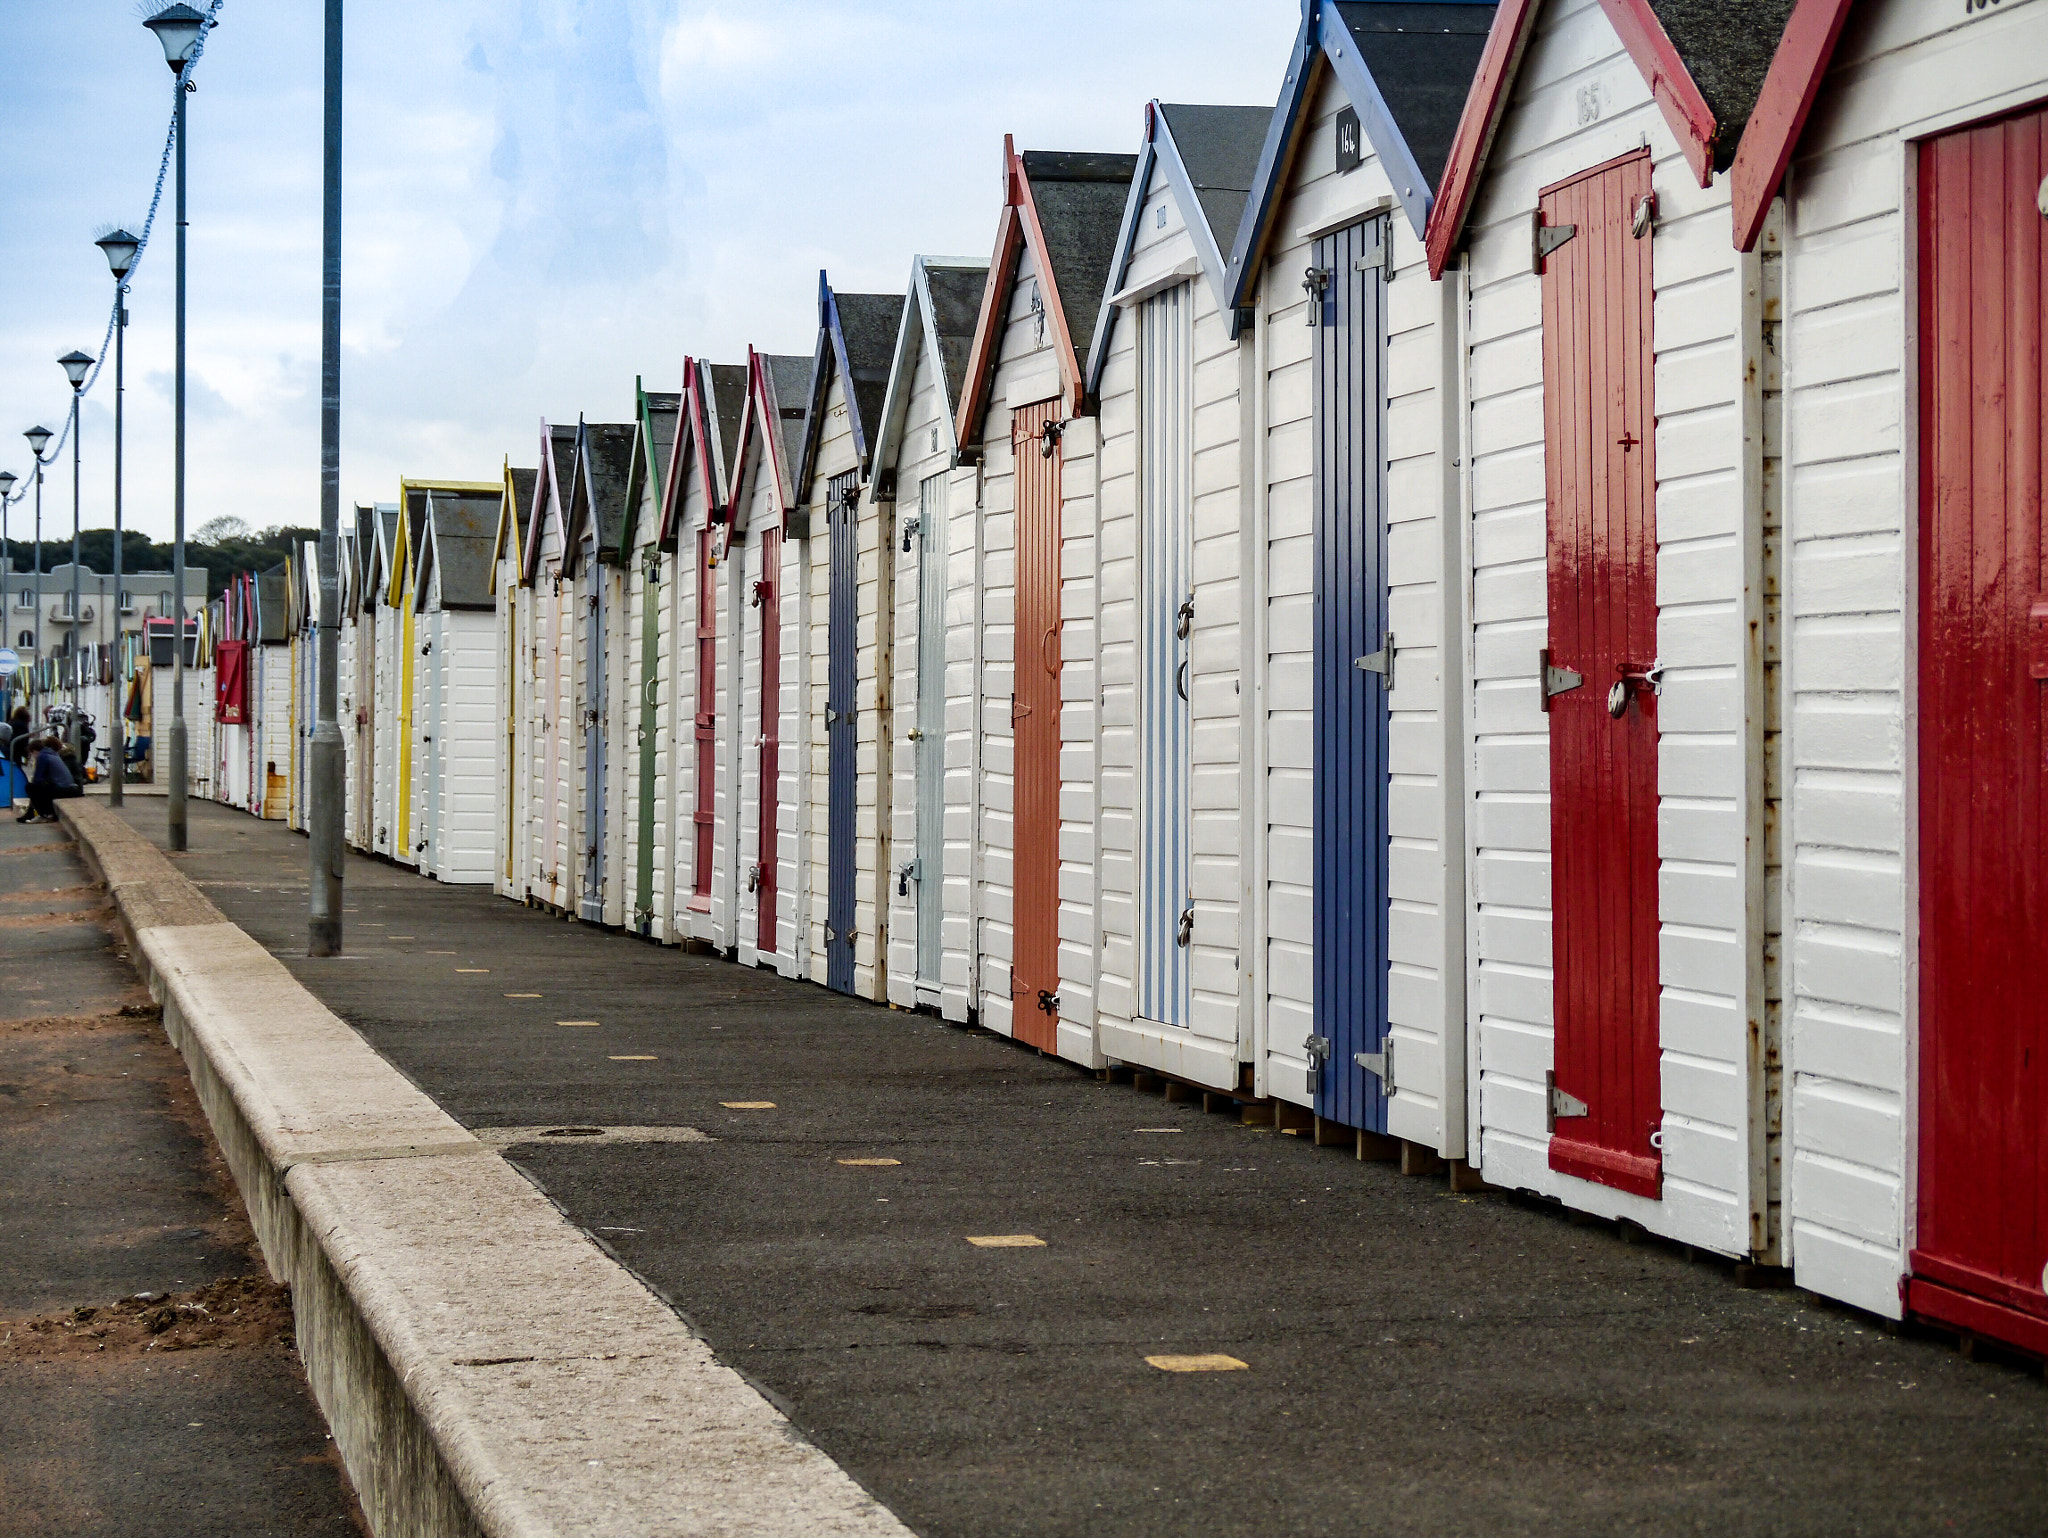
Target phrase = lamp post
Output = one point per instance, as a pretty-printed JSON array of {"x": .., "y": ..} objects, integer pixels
[
  {"x": 178, "y": 28},
  {"x": 120, "y": 248},
  {"x": 38, "y": 438},
  {"x": 76, "y": 366},
  {"x": 7, "y": 480},
  {"x": 324, "y": 804}
]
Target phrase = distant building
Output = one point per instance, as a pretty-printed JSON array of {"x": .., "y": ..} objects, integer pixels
[{"x": 43, "y": 614}]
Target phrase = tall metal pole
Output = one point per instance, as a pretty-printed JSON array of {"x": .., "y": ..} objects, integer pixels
[
  {"x": 324, "y": 804},
  {"x": 117, "y": 757},
  {"x": 77, "y": 587},
  {"x": 39, "y": 563},
  {"x": 180, "y": 832}
]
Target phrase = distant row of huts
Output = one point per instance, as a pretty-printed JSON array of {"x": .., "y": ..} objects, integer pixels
[{"x": 1495, "y": 606}]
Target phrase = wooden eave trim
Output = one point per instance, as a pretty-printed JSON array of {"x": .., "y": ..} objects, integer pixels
[
  {"x": 1671, "y": 84},
  {"x": 1790, "y": 87},
  {"x": 1477, "y": 124},
  {"x": 995, "y": 299}
]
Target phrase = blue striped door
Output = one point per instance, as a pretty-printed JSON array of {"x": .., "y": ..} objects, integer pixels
[
  {"x": 1165, "y": 907},
  {"x": 842, "y": 736},
  {"x": 1350, "y": 697}
]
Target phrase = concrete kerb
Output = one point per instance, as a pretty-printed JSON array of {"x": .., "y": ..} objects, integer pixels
[{"x": 484, "y": 1366}]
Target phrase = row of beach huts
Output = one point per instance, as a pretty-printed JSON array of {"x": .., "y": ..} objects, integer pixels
[{"x": 1496, "y": 606}]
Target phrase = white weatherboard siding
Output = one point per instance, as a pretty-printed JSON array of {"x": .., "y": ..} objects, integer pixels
[
  {"x": 761, "y": 514},
  {"x": 271, "y": 786},
  {"x": 199, "y": 726},
  {"x": 807, "y": 604},
  {"x": 1027, "y": 370},
  {"x": 509, "y": 733},
  {"x": 924, "y": 455},
  {"x": 1578, "y": 102},
  {"x": 665, "y": 746},
  {"x": 385, "y": 730},
  {"x": 1900, "y": 71},
  {"x": 1204, "y": 1047},
  {"x": 960, "y": 968},
  {"x": 463, "y": 761},
  {"x": 1425, "y": 929},
  {"x": 621, "y": 722}
]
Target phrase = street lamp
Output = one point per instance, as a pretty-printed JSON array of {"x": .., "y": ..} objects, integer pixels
[
  {"x": 76, "y": 366},
  {"x": 179, "y": 28},
  {"x": 120, "y": 248},
  {"x": 324, "y": 804},
  {"x": 7, "y": 480},
  {"x": 37, "y": 438}
]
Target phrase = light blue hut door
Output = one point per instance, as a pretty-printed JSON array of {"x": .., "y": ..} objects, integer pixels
[
  {"x": 1165, "y": 625},
  {"x": 842, "y": 730},
  {"x": 1354, "y": 672},
  {"x": 928, "y": 869},
  {"x": 591, "y": 910}
]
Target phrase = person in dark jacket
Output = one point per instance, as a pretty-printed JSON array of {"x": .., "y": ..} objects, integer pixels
[
  {"x": 18, "y": 748},
  {"x": 52, "y": 782}
]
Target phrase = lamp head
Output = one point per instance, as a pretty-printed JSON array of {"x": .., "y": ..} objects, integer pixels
[
  {"x": 7, "y": 479},
  {"x": 76, "y": 366},
  {"x": 120, "y": 248},
  {"x": 177, "y": 27},
  {"x": 37, "y": 437}
]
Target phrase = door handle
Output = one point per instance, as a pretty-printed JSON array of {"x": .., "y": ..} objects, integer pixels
[
  {"x": 1180, "y": 678},
  {"x": 1048, "y": 649}
]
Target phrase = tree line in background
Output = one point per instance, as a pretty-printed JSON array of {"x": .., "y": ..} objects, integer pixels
[{"x": 224, "y": 546}]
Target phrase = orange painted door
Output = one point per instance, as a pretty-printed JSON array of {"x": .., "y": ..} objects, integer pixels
[{"x": 1035, "y": 715}]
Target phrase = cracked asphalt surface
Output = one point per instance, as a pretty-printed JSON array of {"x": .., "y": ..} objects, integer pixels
[{"x": 1415, "y": 1361}]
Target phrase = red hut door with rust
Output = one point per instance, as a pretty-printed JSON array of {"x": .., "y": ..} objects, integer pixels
[
  {"x": 1599, "y": 683},
  {"x": 1035, "y": 714},
  {"x": 1981, "y": 1235}
]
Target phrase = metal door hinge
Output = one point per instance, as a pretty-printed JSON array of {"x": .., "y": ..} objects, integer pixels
[
  {"x": 831, "y": 716},
  {"x": 831, "y": 935},
  {"x": 1380, "y": 1063},
  {"x": 1546, "y": 238},
  {"x": 1558, "y": 1105},
  {"x": 1382, "y": 260},
  {"x": 1556, "y": 680},
  {"x": 1380, "y": 662}
]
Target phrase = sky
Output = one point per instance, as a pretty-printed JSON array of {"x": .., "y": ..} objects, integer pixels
[{"x": 542, "y": 200}]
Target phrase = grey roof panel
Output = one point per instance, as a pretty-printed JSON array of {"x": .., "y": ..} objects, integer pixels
[
  {"x": 1727, "y": 46},
  {"x": 1423, "y": 58},
  {"x": 1080, "y": 201},
  {"x": 956, "y": 306},
  {"x": 868, "y": 323},
  {"x": 1220, "y": 148},
  {"x": 791, "y": 377},
  {"x": 609, "y": 446},
  {"x": 728, "y": 390},
  {"x": 464, "y": 528}
]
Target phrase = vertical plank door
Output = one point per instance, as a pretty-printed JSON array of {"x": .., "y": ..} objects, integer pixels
[
  {"x": 703, "y": 815},
  {"x": 1981, "y": 1236},
  {"x": 1165, "y": 907},
  {"x": 1599, "y": 420},
  {"x": 768, "y": 789},
  {"x": 842, "y": 733},
  {"x": 930, "y": 760},
  {"x": 1353, "y": 654},
  {"x": 642, "y": 917},
  {"x": 591, "y": 910},
  {"x": 1035, "y": 717}
]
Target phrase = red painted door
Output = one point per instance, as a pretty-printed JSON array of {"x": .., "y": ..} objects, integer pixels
[
  {"x": 1599, "y": 420},
  {"x": 767, "y": 595},
  {"x": 1035, "y": 713},
  {"x": 1981, "y": 1230},
  {"x": 707, "y": 717}
]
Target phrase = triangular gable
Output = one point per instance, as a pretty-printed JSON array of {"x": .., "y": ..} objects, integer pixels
[
  {"x": 604, "y": 467},
  {"x": 686, "y": 454},
  {"x": 386, "y": 524},
  {"x": 415, "y": 496},
  {"x": 557, "y": 474},
  {"x": 423, "y": 574},
  {"x": 515, "y": 503},
  {"x": 854, "y": 332},
  {"x": 653, "y": 452},
  {"x": 937, "y": 322},
  {"x": 1406, "y": 69},
  {"x": 1209, "y": 156},
  {"x": 456, "y": 548},
  {"x": 769, "y": 430},
  {"x": 1067, "y": 207},
  {"x": 1678, "y": 46}
]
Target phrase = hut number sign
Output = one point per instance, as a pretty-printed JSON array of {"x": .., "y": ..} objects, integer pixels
[{"x": 1350, "y": 152}]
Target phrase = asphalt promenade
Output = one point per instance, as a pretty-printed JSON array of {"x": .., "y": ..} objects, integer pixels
[
  {"x": 1414, "y": 1361},
  {"x": 148, "y": 1382}
]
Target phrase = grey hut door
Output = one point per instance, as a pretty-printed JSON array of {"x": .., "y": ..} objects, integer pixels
[
  {"x": 591, "y": 910},
  {"x": 1353, "y": 674},
  {"x": 842, "y": 732},
  {"x": 1165, "y": 622},
  {"x": 930, "y": 761}
]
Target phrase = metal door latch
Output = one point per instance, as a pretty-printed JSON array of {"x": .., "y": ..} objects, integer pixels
[
  {"x": 907, "y": 872},
  {"x": 1557, "y": 680},
  {"x": 1380, "y": 662},
  {"x": 754, "y": 877},
  {"x": 1318, "y": 1050},
  {"x": 1631, "y": 680},
  {"x": 1049, "y": 438},
  {"x": 1048, "y": 1001},
  {"x": 912, "y": 528},
  {"x": 1184, "y": 619},
  {"x": 1313, "y": 281},
  {"x": 1645, "y": 218},
  {"x": 1380, "y": 1063},
  {"x": 1546, "y": 238},
  {"x": 1186, "y": 930},
  {"x": 1558, "y": 1105}
]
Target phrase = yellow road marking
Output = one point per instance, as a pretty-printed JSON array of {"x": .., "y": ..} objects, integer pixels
[
  {"x": 472, "y": 969},
  {"x": 633, "y": 1057},
  {"x": 748, "y": 1105},
  {"x": 1213, "y": 1362},
  {"x": 870, "y": 1163},
  {"x": 522, "y": 995},
  {"x": 1006, "y": 1241},
  {"x": 575, "y": 1022}
]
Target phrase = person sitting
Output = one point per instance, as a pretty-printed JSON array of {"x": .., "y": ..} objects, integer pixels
[{"x": 53, "y": 782}]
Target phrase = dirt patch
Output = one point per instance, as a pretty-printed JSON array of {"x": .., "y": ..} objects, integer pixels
[
  {"x": 69, "y": 1025},
  {"x": 33, "y": 896},
  {"x": 240, "y": 1311},
  {"x": 45, "y": 920},
  {"x": 15, "y": 849}
]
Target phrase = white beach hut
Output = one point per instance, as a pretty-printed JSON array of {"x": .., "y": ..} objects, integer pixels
[
  {"x": 455, "y": 688},
  {"x": 512, "y": 604},
  {"x": 553, "y": 730},
  {"x": 648, "y": 696}
]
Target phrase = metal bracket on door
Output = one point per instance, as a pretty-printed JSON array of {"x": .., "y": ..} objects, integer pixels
[
  {"x": 1185, "y": 931},
  {"x": 831, "y": 716},
  {"x": 1318, "y": 1050},
  {"x": 1382, "y": 260},
  {"x": 1558, "y": 1105},
  {"x": 754, "y": 877},
  {"x": 1546, "y": 238},
  {"x": 1017, "y": 712},
  {"x": 1380, "y": 662},
  {"x": 907, "y": 872},
  {"x": 1048, "y": 1001},
  {"x": 1557, "y": 680},
  {"x": 912, "y": 528},
  {"x": 1380, "y": 1063},
  {"x": 1049, "y": 438},
  {"x": 1313, "y": 281}
]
